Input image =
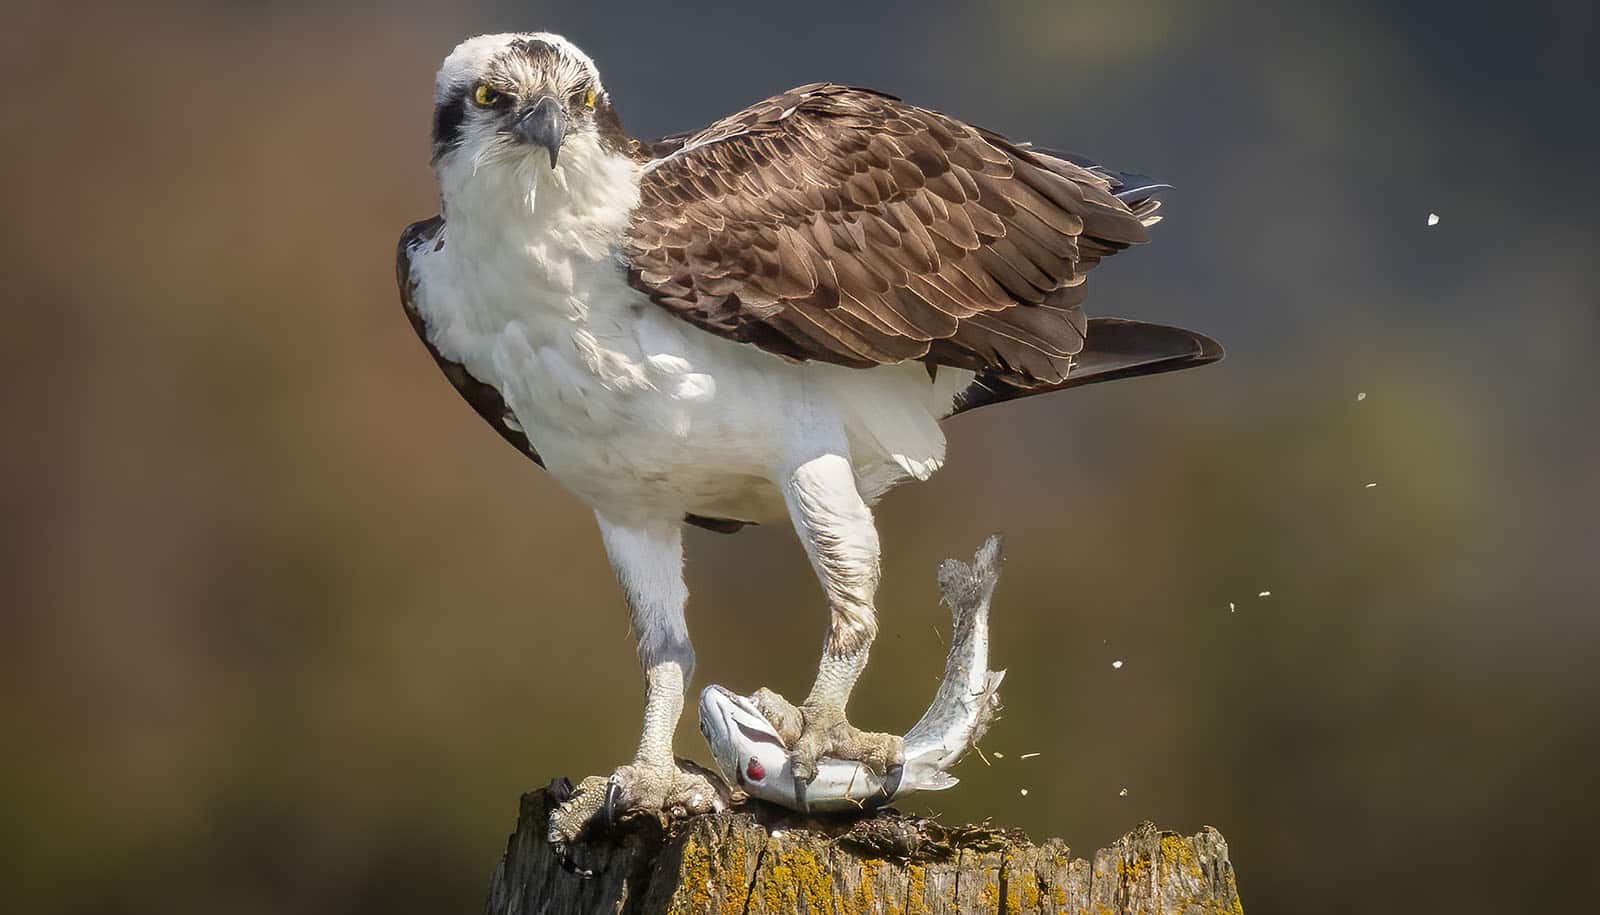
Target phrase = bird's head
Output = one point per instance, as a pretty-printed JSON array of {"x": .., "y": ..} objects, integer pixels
[{"x": 522, "y": 100}]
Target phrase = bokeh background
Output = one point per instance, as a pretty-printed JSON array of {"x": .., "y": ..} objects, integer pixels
[{"x": 287, "y": 628}]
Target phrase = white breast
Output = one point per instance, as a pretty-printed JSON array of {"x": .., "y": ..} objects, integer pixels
[{"x": 633, "y": 409}]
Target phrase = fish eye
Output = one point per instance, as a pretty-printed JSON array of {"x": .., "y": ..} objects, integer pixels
[{"x": 483, "y": 96}]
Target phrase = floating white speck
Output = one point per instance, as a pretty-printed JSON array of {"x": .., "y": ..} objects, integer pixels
[
  {"x": 1361, "y": 395},
  {"x": 1116, "y": 665},
  {"x": 1232, "y": 608},
  {"x": 1433, "y": 219},
  {"x": 1372, "y": 485},
  {"x": 1027, "y": 755},
  {"x": 998, "y": 755},
  {"x": 1024, "y": 791},
  {"x": 1264, "y": 594},
  {"x": 1122, "y": 793}
]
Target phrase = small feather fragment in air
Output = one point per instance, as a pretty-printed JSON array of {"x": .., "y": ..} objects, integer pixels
[
  {"x": 1264, "y": 594},
  {"x": 1027, "y": 755},
  {"x": 998, "y": 755},
  {"x": 1122, "y": 793},
  {"x": 1116, "y": 665},
  {"x": 1232, "y": 608},
  {"x": 1433, "y": 219},
  {"x": 1371, "y": 485},
  {"x": 1024, "y": 791},
  {"x": 1361, "y": 396}
]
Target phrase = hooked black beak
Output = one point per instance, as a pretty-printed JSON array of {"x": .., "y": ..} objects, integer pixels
[{"x": 542, "y": 123}]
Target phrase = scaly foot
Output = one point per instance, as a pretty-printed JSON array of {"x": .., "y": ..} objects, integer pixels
[
  {"x": 815, "y": 730},
  {"x": 671, "y": 792}
]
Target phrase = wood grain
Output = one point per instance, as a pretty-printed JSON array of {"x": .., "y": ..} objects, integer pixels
[{"x": 759, "y": 860}]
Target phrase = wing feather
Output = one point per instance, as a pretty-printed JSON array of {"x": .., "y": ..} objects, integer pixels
[{"x": 846, "y": 226}]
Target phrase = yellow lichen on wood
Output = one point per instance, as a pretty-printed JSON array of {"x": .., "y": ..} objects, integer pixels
[
  {"x": 863, "y": 899},
  {"x": 696, "y": 877},
  {"x": 1031, "y": 895},
  {"x": 917, "y": 890},
  {"x": 1136, "y": 871},
  {"x": 990, "y": 895},
  {"x": 1011, "y": 899},
  {"x": 734, "y": 888},
  {"x": 735, "y": 864},
  {"x": 1176, "y": 851},
  {"x": 796, "y": 874}
]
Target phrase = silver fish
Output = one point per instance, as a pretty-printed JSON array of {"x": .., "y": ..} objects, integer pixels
[{"x": 751, "y": 755}]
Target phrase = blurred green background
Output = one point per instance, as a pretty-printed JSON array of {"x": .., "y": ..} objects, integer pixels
[{"x": 287, "y": 628}]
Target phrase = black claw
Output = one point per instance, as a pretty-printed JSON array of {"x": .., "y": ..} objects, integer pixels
[
  {"x": 568, "y": 864},
  {"x": 611, "y": 808},
  {"x": 886, "y": 791},
  {"x": 891, "y": 779},
  {"x": 559, "y": 790}
]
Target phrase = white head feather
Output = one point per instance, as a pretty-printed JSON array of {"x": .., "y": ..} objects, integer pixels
[
  {"x": 472, "y": 59},
  {"x": 487, "y": 177}
]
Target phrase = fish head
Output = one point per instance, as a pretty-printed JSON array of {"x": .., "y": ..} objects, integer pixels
[{"x": 747, "y": 749}]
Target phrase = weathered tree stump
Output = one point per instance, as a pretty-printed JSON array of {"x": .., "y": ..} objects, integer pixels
[{"x": 761, "y": 860}]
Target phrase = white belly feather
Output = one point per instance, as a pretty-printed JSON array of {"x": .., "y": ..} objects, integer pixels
[{"x": 641, "y": 414}]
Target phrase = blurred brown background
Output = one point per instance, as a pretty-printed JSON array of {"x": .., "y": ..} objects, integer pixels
[{"x": 286, "y": 628}]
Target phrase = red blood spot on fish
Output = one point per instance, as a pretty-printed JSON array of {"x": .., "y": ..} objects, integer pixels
[{"x": 754, "y": 770}]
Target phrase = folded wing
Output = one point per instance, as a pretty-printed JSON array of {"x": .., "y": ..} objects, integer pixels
[{"x": 846, "y": 226}]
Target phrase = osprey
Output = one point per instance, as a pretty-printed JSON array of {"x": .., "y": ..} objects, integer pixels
[{"x": 763, "y": 320}]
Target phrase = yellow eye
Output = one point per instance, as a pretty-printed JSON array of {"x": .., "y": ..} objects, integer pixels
[
  {"x": 588, "y": 99},
  {"x": 483, "y": 96}
]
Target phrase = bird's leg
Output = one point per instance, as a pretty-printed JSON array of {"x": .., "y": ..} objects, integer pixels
[
  {"x": 836, "y": 527},
  {"x": 648, "y": 560}
]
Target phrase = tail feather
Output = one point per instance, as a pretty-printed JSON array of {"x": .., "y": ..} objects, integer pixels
[{"x": 1114, "y": 348}]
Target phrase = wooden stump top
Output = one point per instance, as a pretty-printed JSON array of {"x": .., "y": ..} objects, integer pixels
[{"x": 759, "y": 860}]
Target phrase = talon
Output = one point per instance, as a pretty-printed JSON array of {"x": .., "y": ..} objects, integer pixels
[
  {"x": 599, "y": 804},
  {"x": 805, "y": 772},
  {"x": 569, "y": 863},
  {"x": 817, "y": 731},
  {"x": 611, "y": 807},
  {"x": 559, "y": 790},
  {"x": 889, "y": 788},
  {"x": 891, "y": 779}
]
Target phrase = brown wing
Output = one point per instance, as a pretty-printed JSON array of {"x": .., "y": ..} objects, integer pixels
[
  {"x": 485, "y": 399},
  {"x": 846, "y": 226}
]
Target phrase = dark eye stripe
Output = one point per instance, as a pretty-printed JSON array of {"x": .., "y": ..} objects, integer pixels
[{"x": 447, "y": 118}]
